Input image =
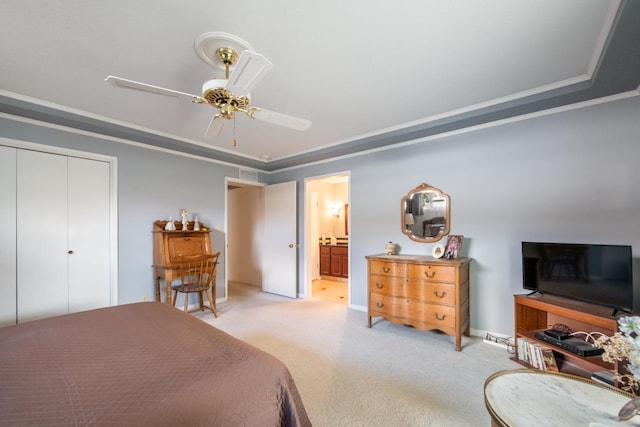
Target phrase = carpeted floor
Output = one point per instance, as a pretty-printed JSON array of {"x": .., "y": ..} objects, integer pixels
[{"x": 350, "y": 375}]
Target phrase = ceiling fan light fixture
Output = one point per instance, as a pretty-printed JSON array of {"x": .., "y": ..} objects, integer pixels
[
  {"x": 213, "y": 85},
  {"x": 216, "y": 93},
  {"x": 230, "y": 94}
]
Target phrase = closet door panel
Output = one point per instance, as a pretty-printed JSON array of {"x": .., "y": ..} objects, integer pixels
[
  {"x": 89, "y": 232},
  {"x": 8, "y": 240},
  {"x": 41, "y": 235}
]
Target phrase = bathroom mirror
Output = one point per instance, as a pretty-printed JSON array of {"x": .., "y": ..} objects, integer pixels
[{"x": 425, "y": 214}]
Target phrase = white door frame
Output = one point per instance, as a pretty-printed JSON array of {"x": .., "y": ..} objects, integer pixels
[
  {"x": 227, "y": 181},
  {"x": 308, "y": 233}
]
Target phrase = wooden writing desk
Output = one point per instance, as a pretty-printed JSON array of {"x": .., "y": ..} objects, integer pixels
[{"x": 170, "y": 246}]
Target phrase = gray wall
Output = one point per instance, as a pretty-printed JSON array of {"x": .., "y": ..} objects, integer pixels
[
  {"x": 568, "y": 177},
  {"x": 151, "y": 185}
]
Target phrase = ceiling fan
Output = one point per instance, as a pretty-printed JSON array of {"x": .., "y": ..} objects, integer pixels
[{"x": 230, "y": 95}]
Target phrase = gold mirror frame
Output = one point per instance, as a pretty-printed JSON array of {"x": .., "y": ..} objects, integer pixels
[{"x": 425, "y": 214}]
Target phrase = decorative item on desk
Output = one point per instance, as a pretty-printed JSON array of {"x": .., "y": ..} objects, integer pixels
[
  {"x": 391, "y": 248},
  {"x": 185, "y": 221},
  {"x": 170, "y": 226},
  {"x": 196, "y": 224},
  {"x": 438, "y": 251},
  {"x": 624, "y": 345},
  {"x": 453, "y": 246}
]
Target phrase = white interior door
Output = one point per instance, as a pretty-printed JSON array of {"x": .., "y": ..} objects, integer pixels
[
  {"x": 8, "y": 241},
  {"x": 42, "y": 235},
  {"x": 281, "y": 248},
  {"x": 314, "y": 231},
  {"x": 89, "y": 234}
]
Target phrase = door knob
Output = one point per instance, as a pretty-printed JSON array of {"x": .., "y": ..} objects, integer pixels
[
  {"x": 70, "y": 252},
  {"x": 293, "y": 245}
]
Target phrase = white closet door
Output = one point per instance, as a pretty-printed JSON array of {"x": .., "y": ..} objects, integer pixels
[
  {"x": 8, "y": 240},
  {"x": 89, "y": 232},
  {"x": 41, "y": 235}
]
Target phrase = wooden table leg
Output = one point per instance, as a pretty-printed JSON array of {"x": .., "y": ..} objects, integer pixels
[
  {"x": 158, "y": 288},
  {"x": 168, "y": 283}
]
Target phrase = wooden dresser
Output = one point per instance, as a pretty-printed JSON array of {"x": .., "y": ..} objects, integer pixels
[
  {"x": 170, "y": 246},
  {"x": 420, "y": 291}
]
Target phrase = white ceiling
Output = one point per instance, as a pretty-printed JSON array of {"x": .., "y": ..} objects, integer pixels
[{"x": 357, "y": 69}]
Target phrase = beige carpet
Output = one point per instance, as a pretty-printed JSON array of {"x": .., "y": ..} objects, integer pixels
[{"x": 350, "y": 375}]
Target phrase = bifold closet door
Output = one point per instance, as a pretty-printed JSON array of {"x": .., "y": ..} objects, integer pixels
[
  {"x": 89, "y": 234},
  {"x": 41, "y": 235},
  {"x": 8, "y": 240},
  {"x": 63, "y": 229}
]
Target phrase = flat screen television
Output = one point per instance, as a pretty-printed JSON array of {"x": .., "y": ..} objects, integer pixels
[{"x": 598, "y": 274}]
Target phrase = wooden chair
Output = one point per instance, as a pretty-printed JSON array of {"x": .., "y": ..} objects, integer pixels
[{"x": 197, "y": 275}]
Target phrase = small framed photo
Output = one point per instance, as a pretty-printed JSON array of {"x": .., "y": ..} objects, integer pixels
[
  {"x": 453, "y": 246},
  {"x": 438, "y": 251}
]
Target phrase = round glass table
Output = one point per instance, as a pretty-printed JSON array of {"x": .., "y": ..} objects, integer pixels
[{"x": 526, "y": 397}]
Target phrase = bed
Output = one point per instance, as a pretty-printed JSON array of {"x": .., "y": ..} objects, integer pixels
[{"x": 140, "y": 364}]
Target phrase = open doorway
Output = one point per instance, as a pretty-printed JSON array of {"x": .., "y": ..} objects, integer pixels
[
  {"x": 244, "y": 234},
  {"x": 327, "y": 238},
  {"x": 258, "y": 214}
]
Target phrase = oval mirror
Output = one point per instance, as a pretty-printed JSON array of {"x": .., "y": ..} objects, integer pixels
[{"x": 425, "y": 214}]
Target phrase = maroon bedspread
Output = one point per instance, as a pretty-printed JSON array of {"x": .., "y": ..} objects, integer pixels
[{"x": 140, "y": 364}]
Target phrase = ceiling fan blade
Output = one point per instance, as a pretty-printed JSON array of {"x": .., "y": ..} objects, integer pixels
[
  {"x": 247, "y": 72},
  {"x": 215, "y": 126},
  {"x": 280, "y": 119},
  {"x": 130, "y": 84}
]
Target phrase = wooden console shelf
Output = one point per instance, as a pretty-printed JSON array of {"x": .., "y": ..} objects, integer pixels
[{"x": 539, "y": 312}]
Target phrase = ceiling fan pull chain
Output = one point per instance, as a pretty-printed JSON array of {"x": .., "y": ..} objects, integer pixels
[{"x": 234, "y": 131}]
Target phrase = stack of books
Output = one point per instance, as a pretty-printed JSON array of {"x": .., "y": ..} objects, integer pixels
[{"x": 536, "y": 355}]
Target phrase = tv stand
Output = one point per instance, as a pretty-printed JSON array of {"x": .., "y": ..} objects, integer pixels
[
  {"x": 617, "y": 310},
  {"x": 537, "y": 312}
]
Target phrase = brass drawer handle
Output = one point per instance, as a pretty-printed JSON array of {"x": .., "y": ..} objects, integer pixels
[
  {"x": 379, "y": 304},
  {"x": 379, "y": 285},
  {"x": 440, "y": 295},
  {"x": 440, "y": 317},
  {"x": 426, "y": 273},
  {"x": 187, "y": 239},
  {"x": 386, "y": 269}
]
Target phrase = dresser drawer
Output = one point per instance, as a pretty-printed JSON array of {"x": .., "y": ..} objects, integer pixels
[
  {"x": 436, "y": 273},
  {"x": 386, "y": 268},
  {"x": 387, "y": 285},
  {"x": 186, "y": 245},
  {"x": 432, "y": 292},
  {"x": 413, "y": 312}
]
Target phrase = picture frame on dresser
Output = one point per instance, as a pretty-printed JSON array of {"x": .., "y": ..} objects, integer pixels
[{"x": 453, "y": 246}]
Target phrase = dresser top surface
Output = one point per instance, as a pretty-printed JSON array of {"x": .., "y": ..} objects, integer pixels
[{"x": 418, "y": 259}]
